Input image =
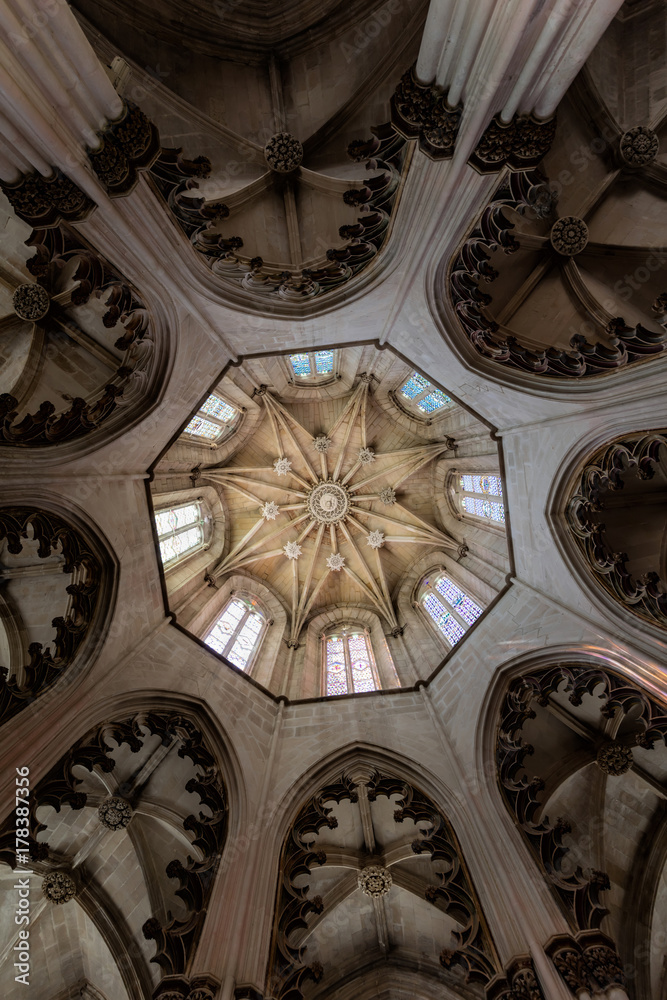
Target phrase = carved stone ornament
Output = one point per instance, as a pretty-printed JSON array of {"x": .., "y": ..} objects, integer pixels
[
  {"x": 322, "y": 443},
  {"x": 375, "y": 539},
  {"x": 282, "y": 466},
  {"x": 46, "y": 201},
  {"x": 569, "y": 235},
  {"x": 336, "y": 562},
  {"x": 31, "y": 302},
  {"x": 605, "y": 470},
  {"x": 374, "y": 881},
  {"x": 520, "y": 143},
  {"x": 58, "y": 887},
  {"x": 115, "y": 813},
  {"x": 421, "y": 112},
  {"x": 366, "y": 456},
  {"x": 270, "y": 510},
  {"x": 283, "y": 153},
  {"x": 328, "y": 502},
  {"x": 639, "y": 146},
  {"x": 129, "y": 144},
  {"x": 614, "y": 759},
  {"x": 292, "y": 550},
  {"x": 471, "y": 272},
  {"x": 388, "y": 496}
]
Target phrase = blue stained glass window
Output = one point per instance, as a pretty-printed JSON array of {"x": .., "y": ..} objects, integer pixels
[
  {"x": 484, "y": 508},
  {"x": 458, "y": 600},
  {"x": 445, "y": 621},
  {"x": 202, "y": 428},
  {"x": 434, "y": 401},
  {"x": 300, "y": 364},
  {"x": 324, "y": 361},
  {"x": 415, "y": 385},
  {"x": 491, "y": 485},
  {"x": 216, "y": 407}
]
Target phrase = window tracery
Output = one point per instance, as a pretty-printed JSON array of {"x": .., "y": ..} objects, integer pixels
[
  {"x": 481, "y": 495},
  {"x": 181, "y": 530},
  {"x": 238, "y": 631},
  {"x": 422, "y": 395},
  {"x": 213, "y": 420},
  {"x": 349, "y": 665},
  {"x": 451, "y": 610}
]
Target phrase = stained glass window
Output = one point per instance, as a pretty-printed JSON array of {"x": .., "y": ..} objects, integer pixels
[
  {"x": 415, "y": 385},
  {"x": 237, "y": 632},
  {"x": 336, "y": 672},
  {"x": 423, "y": 394},
  {"x": 311, "y": 365},
  {"x": 216, "y": 407},
  {"x": 300, "y": 364},
  {"x": 213, "y": 419},
  {"x": 180, "y": 529},
  {"x": 445, "y": 621},
  {"x": 482, "y": 496},
  {"x": 349, "y": 664},
  {"x": 452, "y": 610},
  {"x": 324, "y": 362},
  {"x": 455, "y": 597}
]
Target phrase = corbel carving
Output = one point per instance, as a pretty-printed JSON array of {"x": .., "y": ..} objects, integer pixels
[
  {"x": 520, "y": 143},
  {"x": 520, "y": 982},
  {"x": 43, "y": 202},
  {"x": 588, "y": 962},
  {"x": 421, "y": 112},
  {"x": 128, "y": 144}
]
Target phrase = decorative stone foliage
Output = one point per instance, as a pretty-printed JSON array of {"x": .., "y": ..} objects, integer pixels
[
  {"x": 614, "y": 759},
  {"x": 519, "y": 143},
  {"x": 31, "y": 302},
  {"x": 388, "y": 496},
  {"x": 639, "y": 146},
  {"x": 366, "y": 456},
  {"x": 605, "y": 473},
  {"x": 283, "y": 153},
  {"x": 375, "y": 881},
  {"x": 375, "y": 539},
  {"x": 129, "y": 144},
  {"x": 569, "y": 235},
  {"x": 322, "y": 444},
  {"x": 335, "y": 562},
  {"x": 270, "y": 510},
  {"x": 281, "y": 466},
  {"x": 58, "y": 887},
  {"x": 115, "y": 813},
  {"x": 292, "y": 550},
  {"x": 46, "y": 201},
  {"x": 45, "y": 666},
  {"x": 328, "y": 502}
]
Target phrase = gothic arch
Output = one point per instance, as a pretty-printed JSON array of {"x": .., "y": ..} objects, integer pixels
[
  {"x": 356, "y": 778},
  {"x": 178, "y": 746},
  {"x": 86, "y": 603},
  {"x": 632, "y": 583},
  {"x": 632, "y": 722},
  {"x": 41, "y": 431}
]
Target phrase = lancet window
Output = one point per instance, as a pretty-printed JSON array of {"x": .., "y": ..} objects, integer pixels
[
  {"x": 238, "y": 632},
  {"x": 450, "y": 609},
  {"x": 423, "y": 395},
  {"x": 181, "y": 530},
  {"x": 313, "y": 364},
  {"x": 213, "y": 420},
  {"x": 481, "y": 495},
  {"x": 349, "y": 665}
]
